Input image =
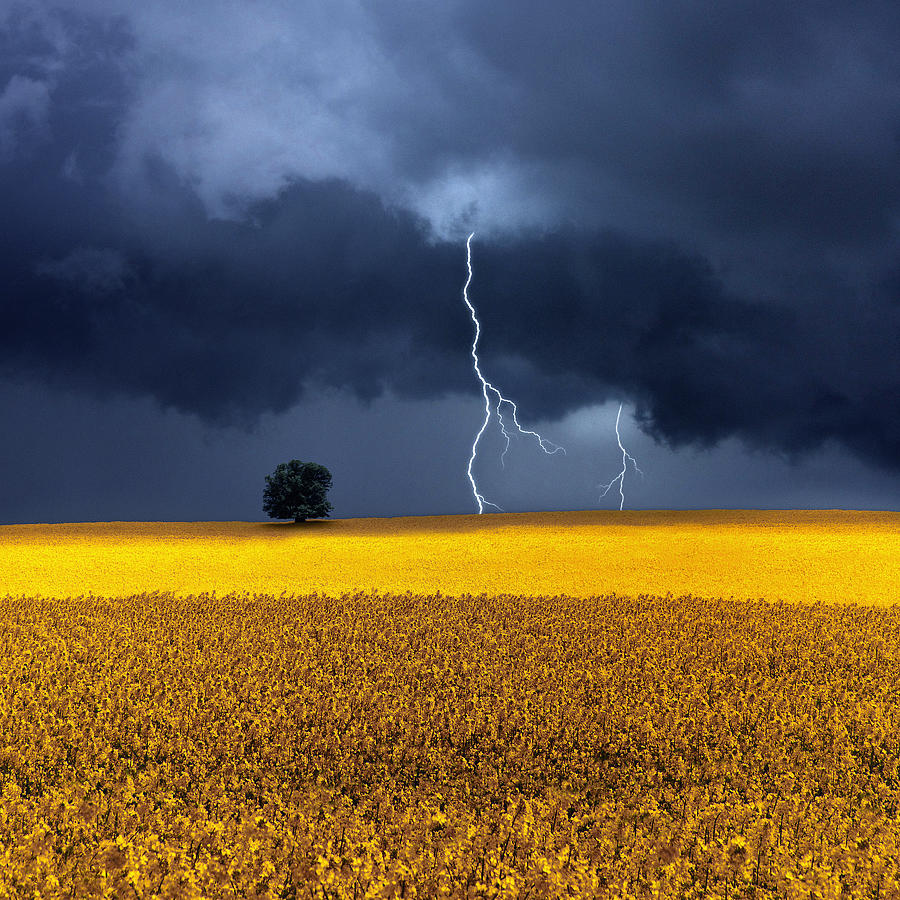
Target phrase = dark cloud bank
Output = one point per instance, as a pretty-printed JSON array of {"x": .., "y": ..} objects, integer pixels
[
  {"x": 228, "y": 320},
  {"x": 751, "y": 288}
]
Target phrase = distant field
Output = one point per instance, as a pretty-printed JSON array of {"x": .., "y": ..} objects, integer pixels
[{"x": 830, "y": 556}]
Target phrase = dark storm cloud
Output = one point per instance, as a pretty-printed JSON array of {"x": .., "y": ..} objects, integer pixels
[
  {"x": 744, "y": 118},
  {"x": 714, "y": 124},
  {"x": 700, "y": 363},
  {"x": 327, "y": 284}
]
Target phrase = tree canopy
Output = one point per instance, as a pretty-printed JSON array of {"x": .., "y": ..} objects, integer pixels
[{"x": 296, "y": 490}]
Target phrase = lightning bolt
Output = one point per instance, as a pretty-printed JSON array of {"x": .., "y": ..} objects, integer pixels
[
  {"x": 488, "y": 391},
  {"x": 626, "y": 457}
]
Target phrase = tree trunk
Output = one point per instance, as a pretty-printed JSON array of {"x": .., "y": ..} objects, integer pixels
[{"x": 298, "y": 519}]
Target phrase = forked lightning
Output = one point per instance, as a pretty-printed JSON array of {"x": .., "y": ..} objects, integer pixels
[
  {"x": 626, "y": 458},
  {"x": 488, "y": 390}
]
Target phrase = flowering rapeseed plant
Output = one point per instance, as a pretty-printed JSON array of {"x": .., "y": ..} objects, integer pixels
[{"x": 423, "y": 745}]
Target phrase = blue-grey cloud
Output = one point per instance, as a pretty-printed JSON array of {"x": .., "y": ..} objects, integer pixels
[{"x": 693, "y": 207}]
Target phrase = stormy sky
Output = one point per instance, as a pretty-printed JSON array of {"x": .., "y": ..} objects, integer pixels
[{"x": 234, "y": 234}]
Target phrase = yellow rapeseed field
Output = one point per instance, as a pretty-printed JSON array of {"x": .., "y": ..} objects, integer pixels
[
  {"x": 590, "y": 705},
  {"x": 829, "y": 556}
]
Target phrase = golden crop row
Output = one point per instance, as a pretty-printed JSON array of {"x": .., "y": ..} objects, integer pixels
[{"x": 424, "y": 746}]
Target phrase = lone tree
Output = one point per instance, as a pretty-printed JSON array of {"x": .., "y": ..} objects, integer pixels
[{"x": 296, "y": 490}]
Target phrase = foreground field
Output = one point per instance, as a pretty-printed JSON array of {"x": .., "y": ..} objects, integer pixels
[
  {"x": 424, "y": 746},
  {"x": 830, "y": 556}
]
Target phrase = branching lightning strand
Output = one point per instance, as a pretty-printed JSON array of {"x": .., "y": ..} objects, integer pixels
[
  {"x": 487, "y": 389},
  {"x": 626, "y": 457}
]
